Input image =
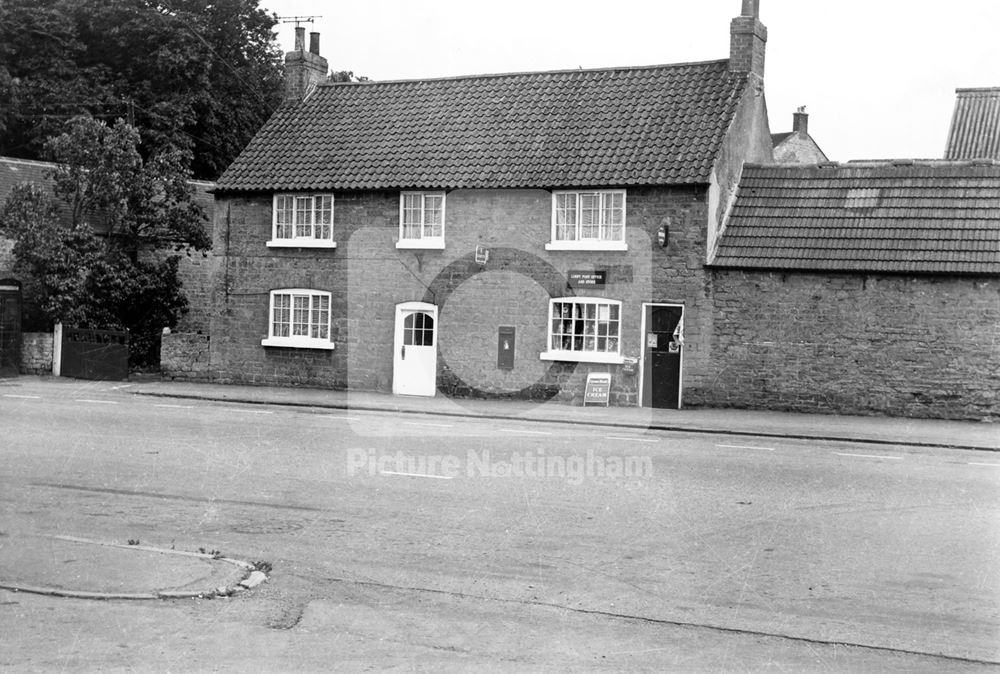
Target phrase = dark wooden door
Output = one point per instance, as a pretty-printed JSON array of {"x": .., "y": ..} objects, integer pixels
[
  {"x": 10, "y": 328},
  {"x": 662, "y": 372}
]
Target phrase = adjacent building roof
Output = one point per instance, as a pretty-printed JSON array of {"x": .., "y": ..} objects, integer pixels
[
  {"x": 15, "y": 171},
  {"x": 609, "y": 127},
  {"x": 916, "y": 217},
  {"x": 975, "y": 125}
]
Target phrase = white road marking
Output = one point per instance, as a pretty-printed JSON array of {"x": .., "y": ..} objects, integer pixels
[
  {"x": 622, "y": 437},
  {"x": 515, "y": 430},
  {"x": 871, "y": 456},
  {"x": 97, "y": 402},
  {"x": 436, "y": 477},
  {"x": 14, "y": 395},
  {"x": 115, "y": 388},
  {"x": 420, "y": 423},
  {"x": 239, "y": 409},
  {"x": 176, "y": 407},
  {"x": 335, "y": 418},
  {"x": 766, "y": 449},
  {"x": 995, "y": 465}
]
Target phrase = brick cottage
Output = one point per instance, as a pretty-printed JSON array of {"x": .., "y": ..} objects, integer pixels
[
  {"x": 507, "y": 235},
  {"x": 498, "y": 235}
]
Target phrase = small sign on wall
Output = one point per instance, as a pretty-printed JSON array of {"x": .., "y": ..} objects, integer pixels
[
  {"x": 587, "y": 279},
  {"x": 598, "y": 390}
]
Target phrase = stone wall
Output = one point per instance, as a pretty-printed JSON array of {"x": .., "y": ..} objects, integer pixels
[
  {"x": 184, "y": 356},
  {"x": 798, "y": 149},
  {"x": 36, "y": 353},
  {"x": 854, "y": 344}
]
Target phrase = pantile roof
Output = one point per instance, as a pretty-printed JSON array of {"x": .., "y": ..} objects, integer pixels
[
  {"x": 609, "y": 127},
  {"x": 975, "y": 125},
  {"x": 918, "y": 217}
]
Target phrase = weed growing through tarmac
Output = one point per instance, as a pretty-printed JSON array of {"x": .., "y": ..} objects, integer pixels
[
  {"x": 215, "y": 554},
  {"x": 262, "y": 566},
  {"x": 133, "y": 541}
]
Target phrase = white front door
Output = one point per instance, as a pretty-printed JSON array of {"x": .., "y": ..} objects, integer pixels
[{"x": 414, "y": 369}]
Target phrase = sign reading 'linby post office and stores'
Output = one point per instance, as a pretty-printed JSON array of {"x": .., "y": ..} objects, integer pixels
[{"x": 587, "y": 279}]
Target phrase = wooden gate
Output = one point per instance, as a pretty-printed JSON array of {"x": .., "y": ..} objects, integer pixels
[
  {"x": 94, "y": 354},
  {"x": 10, "y": 327}
]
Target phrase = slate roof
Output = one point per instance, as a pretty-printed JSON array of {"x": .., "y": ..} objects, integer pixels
[
  {"x": 975, "y": 125},
  {"x": 779, "y": 138},
  {"x": 919, "y": 218},
  {"x": 15, "y": 171},
  {"x": 609, "y": 127}
]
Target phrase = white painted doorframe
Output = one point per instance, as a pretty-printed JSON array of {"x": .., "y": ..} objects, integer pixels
[{"x": 414, "y": 370}]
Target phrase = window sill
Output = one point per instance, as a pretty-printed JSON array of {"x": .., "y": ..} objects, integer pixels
[
  {"x": 297, "y": 343},
  {"x": 616, "y": 246},
  {"x": 420, "y": 244},
  {"x": 301, "y": 243},
  {"x": 583, "y": 357}
]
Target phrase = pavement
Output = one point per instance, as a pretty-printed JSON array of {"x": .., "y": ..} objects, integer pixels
[{"x": 127, "y": 570}]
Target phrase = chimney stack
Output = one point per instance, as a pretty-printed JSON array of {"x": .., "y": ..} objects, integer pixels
[
  {"x": 304, "y": 69},
  {"x": 747, "y": 38},
  {"x": 800, "y": 121}
]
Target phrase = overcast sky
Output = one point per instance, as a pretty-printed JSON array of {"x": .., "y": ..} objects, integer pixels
[{"x": 877, "y": 77}]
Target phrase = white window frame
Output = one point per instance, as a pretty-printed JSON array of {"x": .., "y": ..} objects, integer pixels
[
  {"x": 589, "y": 342},
  {"x": 318, "y": 332},
  {"x": 300, "y": 203},
  {"x": 423, "y": 241},
  {"x": 579, "y": 241}
]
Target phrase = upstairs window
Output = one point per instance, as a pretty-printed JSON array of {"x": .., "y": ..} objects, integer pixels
[
  {"x": 302, "y": 221},
  {"x": 584, "y": 329},
  {"x": 299, "y": 318},
  {"x": 588, "y": 220},
  {"x": 421, "y": 220}
]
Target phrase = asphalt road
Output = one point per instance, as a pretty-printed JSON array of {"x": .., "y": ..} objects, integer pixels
[{"x": 426, "y": 542}]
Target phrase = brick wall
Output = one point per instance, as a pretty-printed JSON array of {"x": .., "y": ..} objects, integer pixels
[
  {"x": 903, "y": 346},
  {"x": 196, "y": 271},
  {"x": 368, "y": 277},
  {"x": 36, "y": 353}
]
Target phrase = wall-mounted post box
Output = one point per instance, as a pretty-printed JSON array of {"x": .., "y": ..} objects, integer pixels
[{"x": 505, "y": 347}]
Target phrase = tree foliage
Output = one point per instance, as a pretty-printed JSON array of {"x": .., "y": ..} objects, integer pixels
[
  {"x": 101, "y": 175},
  {"x": 198, "y": 75},
  {"x": 99, "y": 267}
]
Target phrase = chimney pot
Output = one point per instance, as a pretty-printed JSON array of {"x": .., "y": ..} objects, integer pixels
[
  {"x": 751, "y": 8},
  {"x": 303, "y": 69},
  {"x": 800, "y": 121}
]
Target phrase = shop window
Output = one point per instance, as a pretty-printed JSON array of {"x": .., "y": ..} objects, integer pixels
[{"x": 584, "y": 330}]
